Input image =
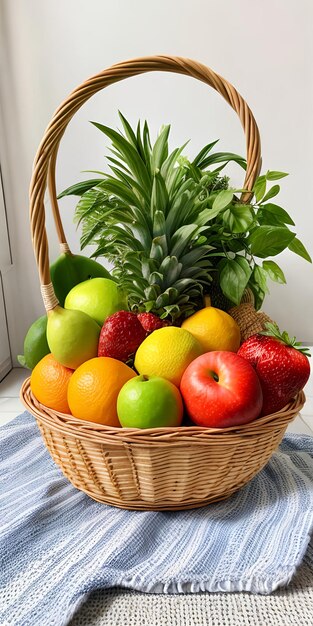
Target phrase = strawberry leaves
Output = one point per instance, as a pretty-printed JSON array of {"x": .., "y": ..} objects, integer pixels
[{"x": 272, "y": 330}]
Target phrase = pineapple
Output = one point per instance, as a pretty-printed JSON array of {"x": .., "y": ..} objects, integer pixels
[
  {"x": 174, "y": 231},
  {"x": 149, "y": 219}
]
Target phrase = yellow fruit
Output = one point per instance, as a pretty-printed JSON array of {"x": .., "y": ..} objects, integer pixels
[
  {"x": 167, "y": 352},
  {"x": 95, "y": 385},
  {"x": 214, "y": 329}
]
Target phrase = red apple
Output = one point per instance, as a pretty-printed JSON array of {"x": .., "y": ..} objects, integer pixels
[{"x": 221, "y": 389}]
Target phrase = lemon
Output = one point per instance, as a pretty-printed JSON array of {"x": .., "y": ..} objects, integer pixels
[
  {"x": 167, "y": 352},
  {"x": 214, "y": 329}
]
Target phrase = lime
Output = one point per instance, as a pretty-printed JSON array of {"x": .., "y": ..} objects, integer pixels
[{"x": 35, "y": 344}]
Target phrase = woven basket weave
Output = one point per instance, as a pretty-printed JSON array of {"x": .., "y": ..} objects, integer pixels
[{"x": 160, "y": 468}]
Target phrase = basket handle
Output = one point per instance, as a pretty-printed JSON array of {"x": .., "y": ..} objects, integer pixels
[{"x": 45, "y": 160}]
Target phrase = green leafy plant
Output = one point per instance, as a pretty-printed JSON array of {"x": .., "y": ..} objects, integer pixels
[{"x": 174, "y": 229}]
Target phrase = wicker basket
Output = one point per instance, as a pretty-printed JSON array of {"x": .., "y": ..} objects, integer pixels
[{"x": 160, "y": 468}]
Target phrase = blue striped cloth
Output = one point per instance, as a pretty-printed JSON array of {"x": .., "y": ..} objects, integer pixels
[{"x": 58, "y": 545}]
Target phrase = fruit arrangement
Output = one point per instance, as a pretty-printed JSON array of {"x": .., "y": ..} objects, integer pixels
[
  {"x": 144, "y": 346},
  {"x": 139, "y": 378}
]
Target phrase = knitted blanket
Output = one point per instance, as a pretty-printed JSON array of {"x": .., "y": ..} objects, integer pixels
[{"x": 58, "y": 545}]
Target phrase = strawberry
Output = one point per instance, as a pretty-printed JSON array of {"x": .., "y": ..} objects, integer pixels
[
  {"x": 281, "y": 364},
  {"x": 120, "y": 336},
  {"x": 151, "y": 322}
]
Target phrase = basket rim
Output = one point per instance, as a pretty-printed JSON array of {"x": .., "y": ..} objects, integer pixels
[{"x": 71, "y": 425}]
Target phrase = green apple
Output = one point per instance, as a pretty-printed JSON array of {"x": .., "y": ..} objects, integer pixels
[
  {"x": 149, "y": 402},
  {"x": 72, "y": 336},
  {"x": 98, "y": 297}
]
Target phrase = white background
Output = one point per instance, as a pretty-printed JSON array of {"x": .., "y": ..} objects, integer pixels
[{"x": 264, "y": 48}]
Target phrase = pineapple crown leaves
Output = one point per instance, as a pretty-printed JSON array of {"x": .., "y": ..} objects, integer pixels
[
  {"x": 272, "y": 330},
  {"x": 156, "y": 205}
]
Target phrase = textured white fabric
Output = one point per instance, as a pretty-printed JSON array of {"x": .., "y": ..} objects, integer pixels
[{"x": 285, "y": 607}]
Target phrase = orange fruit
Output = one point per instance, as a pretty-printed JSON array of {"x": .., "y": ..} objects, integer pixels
[
  {"x": 94, "y": 387},
  {"x": 49, "y": 382}
]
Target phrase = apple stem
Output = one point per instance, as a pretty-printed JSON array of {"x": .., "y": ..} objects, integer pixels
[{"x": 214, "y": 375}]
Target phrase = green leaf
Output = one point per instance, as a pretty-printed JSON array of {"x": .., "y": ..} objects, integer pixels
[
  {"x": 238, "y": 218},
  {"x": 204, "y": 152},
  {"x": 223, "y": 199},
  {"x": 182, "y": 238},
  {"x": 240, "y": 260},
  {"x": 260, "y": 278},
  {"x": 278, "y": 213},
  {"x": 152, "y": 292},
  {"x": 233, "y": 279},
  {"x": 259, "y": 188},
  {"x": 89, "y": 202},
  {"x": 94, "y": 172},
  {"x": 128, "y": 130},
  {"x": 236, "y": 245},
  {"x": 156, "y": 278},
  {"x": 297, "y": 246},
  {"x": 140, "y": 233},
  {"x": 265, "y": 218},
  {"x": 119, "y": 164},
  {"x": 147, "y": 142},
  {"x": 159, "y": 195},
  {"x": 274, "y": 271},
  {"x": 158, "y": 224},
  {"x": 206, "y": 216},
  {"x": 269, "y": 240},
  {"x": 173, "y": 180},
  {"x": 194, "y": 255},
  {"x": 80, "y": 188},
  {"x": 272, "y": 175},
  {"x": 259, "y": 295},
  {"x": 140, "y": 147},
  {"x": 272, "y": 193},
  {"x": 160, "y": 150},
  {"x": 130, "y": 183},
  {"x": 147, "y": 266},
  {"x": 87, "y": 237},
  {"x": 183, "y": 283},
  {"x": 128, "y": 152},
  {"x": 221, "y": 157},
  {"x": 194, "y": 172},
  {"x": 159, "y": 248},
  {"x": 171, "y": 269}
]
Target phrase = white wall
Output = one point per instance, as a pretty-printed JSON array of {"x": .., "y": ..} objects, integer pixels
[
  {"x": 263, "y": 48},
  {"x": 5, "y": 264}
]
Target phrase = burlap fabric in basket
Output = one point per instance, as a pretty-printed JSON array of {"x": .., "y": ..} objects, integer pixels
[{"x": 161, "y": 468}]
